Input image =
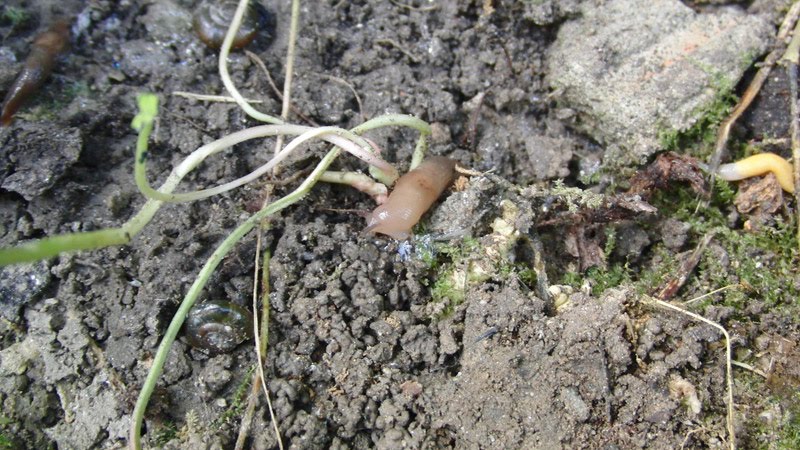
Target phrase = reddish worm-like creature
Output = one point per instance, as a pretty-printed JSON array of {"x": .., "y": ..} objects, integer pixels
[{"x": 414, "y": 193}]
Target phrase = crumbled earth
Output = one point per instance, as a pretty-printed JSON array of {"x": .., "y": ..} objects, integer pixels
[{"x": 367, "y": 349}]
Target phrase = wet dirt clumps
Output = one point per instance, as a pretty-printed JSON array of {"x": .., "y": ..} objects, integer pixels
[{"x": 360, "y": 355}]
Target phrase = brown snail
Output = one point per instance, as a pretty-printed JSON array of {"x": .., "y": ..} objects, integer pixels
[
  {"x": 218, "y": 326},
  {"x": 212, "y": 19}
]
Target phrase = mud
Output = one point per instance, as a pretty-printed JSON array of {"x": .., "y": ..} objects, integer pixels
[{"x": 360, "y": 356}]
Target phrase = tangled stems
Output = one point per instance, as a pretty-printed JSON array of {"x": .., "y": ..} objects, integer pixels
[
  {"x": 200, "y": 282},
  {"x": 336, "y": 136},
  {"x": 48, "y": 247},
  {"x": 148, "y": 107},
  {"x": 347, "y": 140},
  {"x": 327, "y": 133}
]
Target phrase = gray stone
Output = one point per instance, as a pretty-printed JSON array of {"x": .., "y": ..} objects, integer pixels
[{"x": 634, "y": 69}]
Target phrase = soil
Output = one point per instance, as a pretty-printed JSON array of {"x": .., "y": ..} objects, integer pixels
[{"x": 363, "y": 351}]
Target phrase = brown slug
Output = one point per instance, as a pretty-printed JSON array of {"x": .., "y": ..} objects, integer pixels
[
  {"x": 218, "y": 326},
  {"x": 46, "y": 48},
  {"x": 212, "y": 19},
  {"x": 413, "y": 194}
]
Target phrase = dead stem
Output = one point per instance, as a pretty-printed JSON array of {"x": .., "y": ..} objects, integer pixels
[
  {"x": 540, "y": 268},
  {"x": 392, "y": 43},
  {"x": 750, "y": 368},
  {"x": 414, "y": 8},
  {"x": 210, "y": 98},
  {"x": 260, "y": 63},
  {"x": 673, "y": 285},
  {"x": 261, "y": 334},
  {"x": 728, "y": 369},
  {"x": 344, "y": 82},
  {"x": 751, "y": 92},
  {"x": 790, "y": 59}
]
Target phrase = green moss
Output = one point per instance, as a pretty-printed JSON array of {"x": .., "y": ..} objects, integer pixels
[
  {"x": 454, "y": 268},
  {"x": 789, "y": 437},
  {"x": 446, "y": 289},
  {"x": 527, "y": 275},
  {"x": 6, "y": 442},
  {"x": 14, "y": 16},
  {"x": 572, "y": 278},
  {"x": 700, "y": 137},
  {"x": 763, "y": 261},
  {"x": 165, "y": 433},
  {"x": 603, "y": 279},
  {"x": 51, "y": 99},
  {"x": 237, "y": 401}
]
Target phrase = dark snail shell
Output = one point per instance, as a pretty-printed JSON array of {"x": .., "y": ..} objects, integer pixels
[
  {"x": 212, "y": 19},
  {"x": 218, "y": 326}
]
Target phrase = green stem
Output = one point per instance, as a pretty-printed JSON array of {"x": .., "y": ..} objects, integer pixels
[
  {"x": 387, "y": 120},
  {"x": 347, "y": 140},
  {"x": 48, "y": 247},
  {"x": 143, "y": 122},
  {"x": 200, "y": 282}
]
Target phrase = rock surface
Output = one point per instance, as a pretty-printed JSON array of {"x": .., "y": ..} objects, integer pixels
[{"x": 636, "y": 69}]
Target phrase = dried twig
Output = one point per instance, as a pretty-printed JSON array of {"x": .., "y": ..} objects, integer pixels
[
  {"x": 673, "y": 285},
  {"x": 344, "y": 82},
  {"x": 260, "y": 63},
  {"x": 728, "y": 369},
  {"x": 415, "y": 8},
  {"x": 791, "y": 59},
  {"x": 752, "y": 90},
  {"x": 261, "y": 334},
  {"x": 210, "y": 98},
  {"x": 392, "y": 43}
]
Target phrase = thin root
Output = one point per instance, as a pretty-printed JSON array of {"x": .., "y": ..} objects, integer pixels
[
  {"x": 260, "y": 63},
  {"x": 752, "y": 90},
  {"x": 392, "y": 43},
  {"x": 210, "y": 98},
  {"x": 728, "y": 363}
]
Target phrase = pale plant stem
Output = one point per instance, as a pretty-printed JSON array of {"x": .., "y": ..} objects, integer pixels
[
  {"x": 728, "y": 358},
  {"x": 210, "y": 98},
  {"x": 358, "y": 181},
  {"x": 336, "y": 136},
  {"x": 224, "y": 51},
  {"x": 286, "y": 102},
  {"x": 202, "y": 278},
  {"x": 262, "y": 331},
  {"x": 294, "y": 25}
]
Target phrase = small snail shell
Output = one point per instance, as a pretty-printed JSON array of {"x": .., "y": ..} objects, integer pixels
[
  {"x": 212, "y": 19},
  {"x": 218, "y": 326}
]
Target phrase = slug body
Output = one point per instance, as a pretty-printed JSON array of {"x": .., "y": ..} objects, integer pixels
[
  {"x": 212, "y": 18},
  {"x": 759, "y": 165},
  {"x": 46, "y": 48},
  {"x": 218, "y": 326},
  {"x": 414, "y": 193}
]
